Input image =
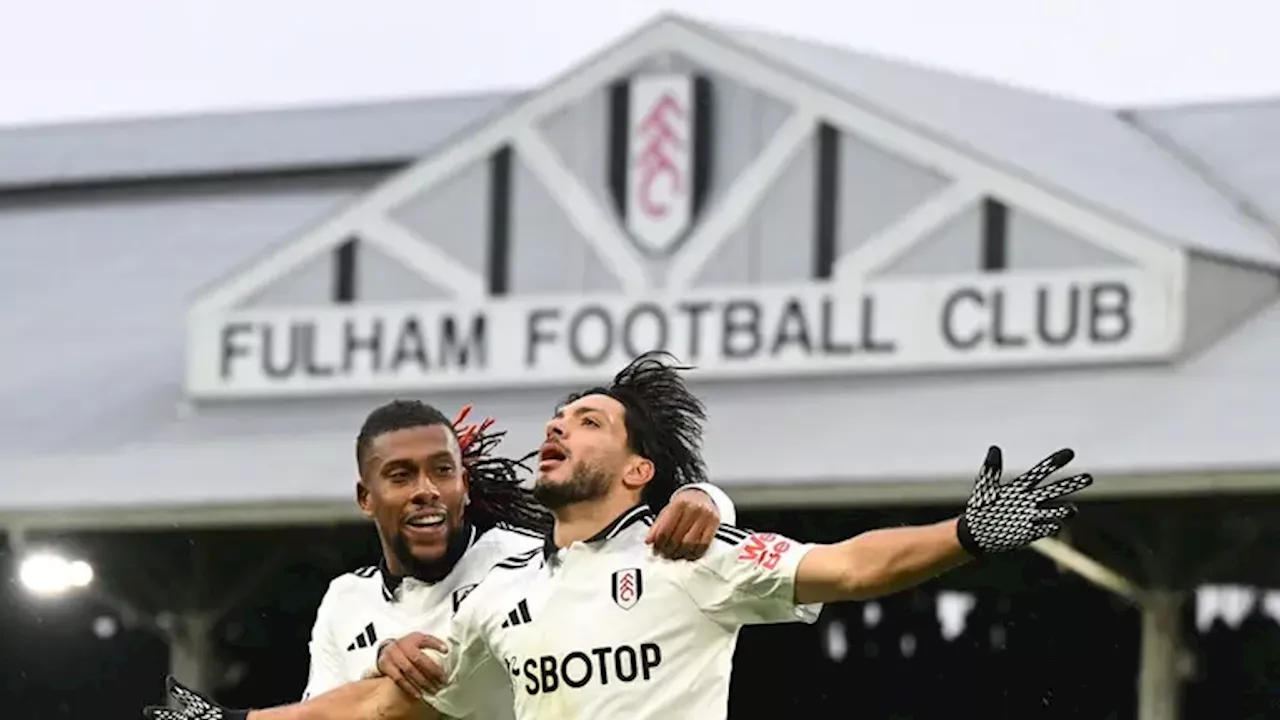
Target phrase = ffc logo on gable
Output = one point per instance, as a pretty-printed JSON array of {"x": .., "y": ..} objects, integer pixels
[{"x": 699, "y": 210}]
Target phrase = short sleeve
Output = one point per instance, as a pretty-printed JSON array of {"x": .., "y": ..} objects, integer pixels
[
  {"x": 470, "y": 665},
  {"x": 749, "y": 578},
  {"x": 327, "y": 669},
  {"x": 724, "y": 504}
]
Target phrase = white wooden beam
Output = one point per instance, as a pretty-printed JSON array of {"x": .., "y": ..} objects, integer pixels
[
  {"x": 599, "y": 229},
  {"x": 735, "y": 207}
]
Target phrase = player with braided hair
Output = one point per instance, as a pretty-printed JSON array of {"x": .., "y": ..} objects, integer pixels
[
  {"x": 498, "y": 496},
  {"x": 591, "y": 625},
  {"x": 447, "y": 507}
]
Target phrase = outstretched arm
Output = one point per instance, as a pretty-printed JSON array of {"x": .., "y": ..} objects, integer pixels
[
  {"x": 997, "y": 518},
  {"x": 377, "y": 699},
  {"x": 877, "y": 563}
]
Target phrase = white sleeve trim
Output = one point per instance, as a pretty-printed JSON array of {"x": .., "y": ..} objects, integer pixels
[{"x": 728, "y": 512}]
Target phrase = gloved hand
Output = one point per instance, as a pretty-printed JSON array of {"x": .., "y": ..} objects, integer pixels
[
  {"x": 190, "y": 705},
  {"x": 1003, "y": 517}
]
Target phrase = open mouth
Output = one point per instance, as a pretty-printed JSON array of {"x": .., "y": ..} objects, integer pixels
[
  {"x": 550, "y": 454},
  {"x": 425, "y": 521}
]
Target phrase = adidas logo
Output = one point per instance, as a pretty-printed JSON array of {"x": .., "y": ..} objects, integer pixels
[
  {"x": 518, "y": 616},
  {"x": 364, "y": 639}
]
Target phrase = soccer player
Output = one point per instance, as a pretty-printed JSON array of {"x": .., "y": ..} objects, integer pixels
[
  {"x": 446, "y": 509},
  {"x": 591, "y": 626}
]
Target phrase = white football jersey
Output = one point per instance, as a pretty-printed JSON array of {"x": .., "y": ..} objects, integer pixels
[
  {"x": 364, "y": 608},
  {"x": 607, "y": 629}
]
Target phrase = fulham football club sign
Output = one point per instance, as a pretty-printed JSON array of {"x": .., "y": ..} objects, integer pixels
[
  {"x": 677, "y": 195},
  {"x": 660, "y": 148}
]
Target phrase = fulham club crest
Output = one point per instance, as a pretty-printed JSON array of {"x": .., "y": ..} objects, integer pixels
[
  {"x": 627, "y": 588},
  {"x": 660, "y": 157}
]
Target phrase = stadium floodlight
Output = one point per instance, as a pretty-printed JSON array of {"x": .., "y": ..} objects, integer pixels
[{"x": 48, "y": 574}]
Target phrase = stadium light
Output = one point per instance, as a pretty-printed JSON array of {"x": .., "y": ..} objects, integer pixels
[{"x": 48, "y": 574}]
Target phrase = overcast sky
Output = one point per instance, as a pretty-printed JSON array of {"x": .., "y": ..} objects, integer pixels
[{"x": 75, "y": 59}]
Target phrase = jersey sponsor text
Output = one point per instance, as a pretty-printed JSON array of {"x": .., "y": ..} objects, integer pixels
[{"x": 599, "y": 666}]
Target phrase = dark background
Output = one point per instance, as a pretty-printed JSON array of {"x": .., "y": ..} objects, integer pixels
[{"x": 1038, "y": 643}]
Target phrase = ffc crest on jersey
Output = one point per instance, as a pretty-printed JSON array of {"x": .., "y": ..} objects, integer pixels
[
  {"x": 658, "y": 124},
  {"x": 627, "y": 587}
]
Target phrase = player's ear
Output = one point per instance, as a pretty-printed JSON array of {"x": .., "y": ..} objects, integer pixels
[
  {"x": 362, "y": 498},
  {"x": 638, "y": 473}
]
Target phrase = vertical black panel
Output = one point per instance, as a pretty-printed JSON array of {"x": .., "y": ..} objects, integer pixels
[
  {"x": 344, "y": 271},
  {"x": 703, "y": 141},
  {"x": 826, "y": 201},
  {"x": 500, "y": 197},
  {"x": 995, "y": 235},
  {"x": 619, "y": 143}
]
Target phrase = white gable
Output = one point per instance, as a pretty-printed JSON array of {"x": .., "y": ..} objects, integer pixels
[
  {"x": 1084, "y": 154},
  {"x": 975, "y": 177}
]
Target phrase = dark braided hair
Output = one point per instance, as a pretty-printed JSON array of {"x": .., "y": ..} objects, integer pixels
[
  {"x": 663, "y": 422},
  {"x": 497, "y": 497}
]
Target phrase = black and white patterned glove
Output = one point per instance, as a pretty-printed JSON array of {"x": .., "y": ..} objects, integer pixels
[
  {"x": 190, "y": 705},
  {"x": 1003, "y": 517}
]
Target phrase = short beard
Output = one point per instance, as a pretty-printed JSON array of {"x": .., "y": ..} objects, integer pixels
[
  {"x": 432, "y": 571},
  {"x": 586, "y": 483}
]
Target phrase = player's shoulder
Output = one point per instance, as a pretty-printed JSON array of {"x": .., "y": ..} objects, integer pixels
[
  {"x": 498, "y": 544},
  {"x": 360, "y": 577},
  {"x": 524, "y": 560},
  {"x": 510, "y": 540},
  {"x": 512, "y": 568},
  {"x": 730, "y": 536},
  {"x": 500, "y": 577},
  {"x": 734, "y": 541},
  {"x": 353, "y": 586}
]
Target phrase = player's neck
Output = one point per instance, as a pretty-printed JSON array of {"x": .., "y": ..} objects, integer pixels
[{"x": 584, "y": 520}]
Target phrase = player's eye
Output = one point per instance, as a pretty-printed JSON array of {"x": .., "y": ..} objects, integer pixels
[
  {"x": 590, "y": 421},
  {"x": 444, "y": 470}
]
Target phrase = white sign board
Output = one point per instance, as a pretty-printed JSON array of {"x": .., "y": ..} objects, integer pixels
[{"x": 899, "y": 325}]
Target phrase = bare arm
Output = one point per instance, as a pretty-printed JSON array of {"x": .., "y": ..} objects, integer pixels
[
  {"x": 377, "y": 699},
  {"x": 879, "y": 562},
  {"x": 999, "y": 517}
]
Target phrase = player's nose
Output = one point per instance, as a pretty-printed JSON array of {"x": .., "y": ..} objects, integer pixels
[
  {"x": 425, "y": 490},
  {"x": 555, "y": 428}
]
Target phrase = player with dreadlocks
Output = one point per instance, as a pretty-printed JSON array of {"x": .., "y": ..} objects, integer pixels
[
  {"x": 446, "y": 507},
  {"x": 498, "y": 496},
  {"x": 591, "y": 625}
]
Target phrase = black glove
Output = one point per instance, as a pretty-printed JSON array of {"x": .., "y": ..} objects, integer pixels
[
  {"x": 191, "y": 705},
  {"x": 999, "y": 518}
]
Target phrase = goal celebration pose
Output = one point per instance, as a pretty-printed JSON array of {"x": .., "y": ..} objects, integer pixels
[{"x": 592, "y": 625}]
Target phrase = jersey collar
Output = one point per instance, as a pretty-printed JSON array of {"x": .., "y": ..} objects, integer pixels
[
  {"x": 620, "y": 523},
  {"x": 392, "y": 582}
]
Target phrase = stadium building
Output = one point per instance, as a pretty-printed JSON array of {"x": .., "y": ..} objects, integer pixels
[{"x": 879, "y": 270}]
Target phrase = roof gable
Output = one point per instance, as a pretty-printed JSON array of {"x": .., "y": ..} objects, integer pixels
[
  {"x": 816, "y": 99},
  {"x": 1080, "y": 152}
]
